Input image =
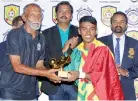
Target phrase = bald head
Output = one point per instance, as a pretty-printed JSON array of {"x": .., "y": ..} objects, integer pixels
[{"x": 28, "y": 8}]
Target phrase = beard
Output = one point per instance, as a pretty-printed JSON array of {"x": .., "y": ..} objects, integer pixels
[
  {"x": 34, "y": 25},
  {"x": 118, "y": 29}
]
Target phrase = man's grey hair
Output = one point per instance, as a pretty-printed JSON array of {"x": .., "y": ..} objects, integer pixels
[{"x": 31, "y": 4}]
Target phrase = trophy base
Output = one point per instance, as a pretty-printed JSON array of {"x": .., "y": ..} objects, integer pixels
[{"x": 63, "y": 74}]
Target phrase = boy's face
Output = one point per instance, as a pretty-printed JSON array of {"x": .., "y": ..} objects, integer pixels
[{"x": 87, "y": 31}]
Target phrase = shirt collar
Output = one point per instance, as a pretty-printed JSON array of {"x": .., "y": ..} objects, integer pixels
[
  {"x": 81, "y": 46},
  {"x": 121, "y": 38},
  {"x": 62, "y": 30},
  {"x": 29, "y": 35}
]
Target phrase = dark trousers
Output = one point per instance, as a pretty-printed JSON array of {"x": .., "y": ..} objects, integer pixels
[{"x": 65, "y": 92}]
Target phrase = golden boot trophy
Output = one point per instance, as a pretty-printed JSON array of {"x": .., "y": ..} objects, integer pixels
[{"x": 59, "y": 64}]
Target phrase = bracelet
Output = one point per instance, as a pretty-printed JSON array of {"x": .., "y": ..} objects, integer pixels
[{"x": 82, "y": 75}]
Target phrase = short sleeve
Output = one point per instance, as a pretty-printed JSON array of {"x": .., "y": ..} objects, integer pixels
[{"x": 12, "y": 43}]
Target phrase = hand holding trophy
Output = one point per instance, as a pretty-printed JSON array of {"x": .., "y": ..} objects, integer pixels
[{"x": 59, "y": 64}]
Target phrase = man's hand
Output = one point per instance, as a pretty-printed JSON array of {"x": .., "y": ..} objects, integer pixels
[
  {"x": 122, "y": 71},
  {"x": 72, "y": 76},
  {"x": 52, "y": 76},
  {"x": 74, "y": 42},
  {"x": 71, "y": 43},
  {"x": 118, "y": 66}
]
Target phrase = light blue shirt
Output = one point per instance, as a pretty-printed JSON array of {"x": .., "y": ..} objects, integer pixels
[
  {"x": 121, "y": 43},
  {"x": 75, "y": 62},
  {"x": 64, "y": 35}
]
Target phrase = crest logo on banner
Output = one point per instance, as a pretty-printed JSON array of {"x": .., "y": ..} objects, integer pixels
[
  {"x": 11, "y": 11},
  {"x": 106, "y": 14},
  {"x": 54, "y": 15},
  {"x": 133, "y": 34},
  {"x": 132, "y": 14},
  {"x": 134, "y": 1},
  {"x": 84, "y": 11}
]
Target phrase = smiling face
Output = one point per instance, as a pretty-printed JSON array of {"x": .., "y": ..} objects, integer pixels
[
  {"x": 64, "y": 14},
  {"x": 88, "y": 31}
]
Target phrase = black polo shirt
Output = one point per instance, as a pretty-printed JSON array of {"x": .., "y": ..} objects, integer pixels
[{"x": 19, "y": 86}]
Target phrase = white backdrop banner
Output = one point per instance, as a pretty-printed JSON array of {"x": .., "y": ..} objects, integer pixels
[{"x": 102, "y": 10}]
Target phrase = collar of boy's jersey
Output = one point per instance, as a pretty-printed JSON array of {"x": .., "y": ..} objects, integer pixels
[{"x": 81, "y": 45}]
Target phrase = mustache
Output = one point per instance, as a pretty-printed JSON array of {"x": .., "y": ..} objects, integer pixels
[
  {"x": 118, "y": 27},
  {"x": 63, "y": 17},
  {"x": 33, "y": 22},
  {"x": 34, "y": 25}
]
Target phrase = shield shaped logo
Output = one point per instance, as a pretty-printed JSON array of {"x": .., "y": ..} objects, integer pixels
[
  {"x": 54, "y": 15},
  {"x": 133, "y": 34},
  {"x": 11, "y": 11},
  {"x": 132, "y": 15},
  {"x": 106, "y": 14}
]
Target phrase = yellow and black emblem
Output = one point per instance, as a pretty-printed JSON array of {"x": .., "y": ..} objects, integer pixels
[
  {"x": 11, "y": 11},
  {"x": 131, "y": 53},
  {"x": 106, "y": 14}
]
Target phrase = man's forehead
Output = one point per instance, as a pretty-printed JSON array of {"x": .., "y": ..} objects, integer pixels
[
  {"x": 64, "y": 7},
  {"x": 31, "y": 8}
]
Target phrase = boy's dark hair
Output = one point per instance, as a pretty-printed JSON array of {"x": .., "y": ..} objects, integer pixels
[
  {"x": 16, "y": 20},
  {"x": 90, "y": 19},
  {"x": 64, "y": 3},
  {"x": 119, "y": 13}
]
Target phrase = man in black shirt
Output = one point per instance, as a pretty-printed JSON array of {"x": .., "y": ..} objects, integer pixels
[
  {"x": 56, "y": 38},
  {"x": 25, "y": 54}
]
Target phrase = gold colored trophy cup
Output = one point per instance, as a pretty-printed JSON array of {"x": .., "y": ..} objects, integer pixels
[{"x": 59, "y": 64}]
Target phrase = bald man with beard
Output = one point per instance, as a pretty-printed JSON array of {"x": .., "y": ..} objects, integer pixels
[{"x": 24, "y": 58}]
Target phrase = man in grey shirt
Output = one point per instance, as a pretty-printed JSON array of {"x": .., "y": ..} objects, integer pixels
[{"x": 25, "y": 54}]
